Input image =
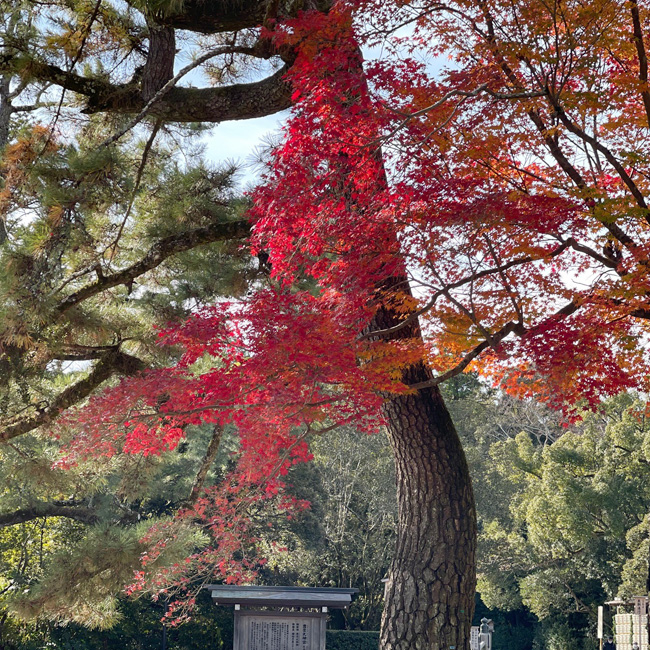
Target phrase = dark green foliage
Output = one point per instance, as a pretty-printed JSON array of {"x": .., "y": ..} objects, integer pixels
[
  {"x": 563, "y": 511},
  {"x": 513, "y": 630},
  {"x": 347, "y": 537},
  {"x": 139, "y": 628},
  {"x": 352, "y": 640}
]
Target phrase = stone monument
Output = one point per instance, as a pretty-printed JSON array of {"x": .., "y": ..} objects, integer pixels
[{"x": 481, "y": 635}]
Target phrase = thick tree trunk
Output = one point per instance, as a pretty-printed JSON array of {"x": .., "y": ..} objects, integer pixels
[
  {"x": 6, "y": 111},
  {"x": 432, "y": 581},
  {"x": 430, "y": 591}
]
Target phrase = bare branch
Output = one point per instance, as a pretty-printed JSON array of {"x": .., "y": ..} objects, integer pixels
[
  {"x": 459, "y": 283},
  {"x": 495, "y": 340},
  {"x": 609, "y": 156}
]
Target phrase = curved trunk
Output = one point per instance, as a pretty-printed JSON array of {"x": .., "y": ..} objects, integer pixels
[
  {"x": 429, "y": 598},
  {"x": 159, "y": 68},
  {"x": 6, "y": 111}
]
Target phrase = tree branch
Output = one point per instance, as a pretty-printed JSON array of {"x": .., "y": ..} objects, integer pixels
[
  {"x": 551, "y": 142},
  {"x": 78, "y": 513},
  {"x": 157, "y": 254},
  {"x": 206, "y": 463},
  {"x": 111, "y": 363},
  {"x": 216, "y": 18},
  {"x": 76, "y": 352},
  {"x": 153, "y": 97},
  {"x": 463, "y": 281},
  {"x": 641, "y": 312},
  {"x": 643, "y": 57},
  {"x": 609, "y": 156},
  {"x": 495, "y": 340},
  {"x": 233, "y": 102},
  {"x": 590, "y": 252}
]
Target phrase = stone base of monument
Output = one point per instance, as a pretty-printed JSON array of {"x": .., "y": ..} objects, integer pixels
[{"x": 280, "y": 618}]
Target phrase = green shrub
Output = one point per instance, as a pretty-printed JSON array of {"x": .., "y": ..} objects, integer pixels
[{"x": 351, "y": 640}]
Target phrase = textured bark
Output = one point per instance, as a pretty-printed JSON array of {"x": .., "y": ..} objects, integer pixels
[
  {"x": 234, "y": 15},
  {"x": 430, "y": 591},
  {"x": 180, "y": 104},
  {"x": 77, "y": 512},
  {"x": 432, "y": 580},
  {"x": 5, "y": 117},
  {"x": 5, "y": 110},
  {"x": 159, "y": 68}
]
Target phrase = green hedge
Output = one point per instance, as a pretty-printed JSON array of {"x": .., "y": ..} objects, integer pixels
[{"x": 351, "y": 640}]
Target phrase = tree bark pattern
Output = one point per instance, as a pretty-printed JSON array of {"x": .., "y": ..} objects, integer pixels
[
  {"x": 6, "y": 111},
  {"x": 432, "y": 581},
  {"x": 430, "y": 591},
  {"x": 159, "y": 68},
  {"x": 181, "y": 104}
]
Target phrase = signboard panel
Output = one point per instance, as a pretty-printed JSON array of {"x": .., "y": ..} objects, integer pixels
[
  {"x": 279, "y": 631},
  {"x": 599, "y": 631}
]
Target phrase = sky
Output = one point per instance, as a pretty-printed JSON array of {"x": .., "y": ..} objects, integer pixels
[{"x": 236, "y": 141}]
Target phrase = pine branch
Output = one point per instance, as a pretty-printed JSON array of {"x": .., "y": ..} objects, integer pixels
[
  {"x": 111, "y": 363},
  {"x": 76, "y": 352},
  {"x": 214, "y": 18},
  {"x": 233, "y": 102},
  {"x": 77, "y": 512},
  {"x": 157, "y": 254},
  {"x": 166, "y": 88}
]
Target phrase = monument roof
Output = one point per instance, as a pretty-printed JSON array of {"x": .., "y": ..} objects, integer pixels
[{"x": 282, "y": 596}]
